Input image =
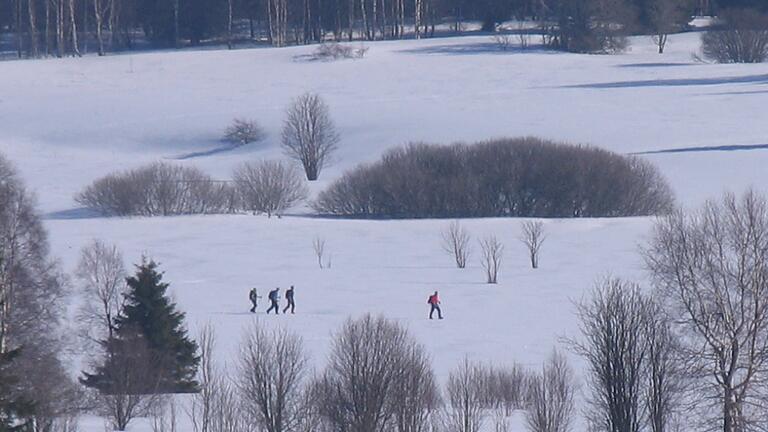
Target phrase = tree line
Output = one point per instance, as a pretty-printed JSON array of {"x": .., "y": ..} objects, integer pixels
[{"x": 72, "y": 27}]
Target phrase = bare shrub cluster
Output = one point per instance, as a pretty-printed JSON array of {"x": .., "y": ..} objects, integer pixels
[
  {"x": 268, "y": 187},
  {"x": 741, "y": 38},
  {"x": 243, "y": 131},
  {"x": 509, "y": 177},
  {"x": 335, "y": 51},
  {"x": 159, "y": 189}
]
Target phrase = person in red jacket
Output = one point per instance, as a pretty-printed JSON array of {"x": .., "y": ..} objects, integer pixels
[{"x": 434, "y": 301}]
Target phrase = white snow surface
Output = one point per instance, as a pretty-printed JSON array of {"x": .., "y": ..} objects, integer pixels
[{"x": 67, "y": 122}]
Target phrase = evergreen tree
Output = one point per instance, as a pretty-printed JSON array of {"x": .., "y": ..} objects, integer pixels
[
  {"x": 13, "y": 409},
  {"x": 148, "y": 324}
]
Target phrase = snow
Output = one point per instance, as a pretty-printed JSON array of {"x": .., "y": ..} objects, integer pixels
[{"x": 67, "y": 122}]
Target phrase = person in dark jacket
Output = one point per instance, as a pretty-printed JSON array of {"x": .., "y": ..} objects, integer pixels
[
  {"x": 274, "y": 296},
  {"x": 254, "y": 297},
  {"x": 434, "y": 301},
  {"x": 289, "y": 297}
]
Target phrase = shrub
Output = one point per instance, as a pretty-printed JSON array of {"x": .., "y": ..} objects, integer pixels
[
  {"x": 268, "y": 187},
  {"x": 242, "y": 132},
  {"x": 157, "y": 189},
  {"x": 336, "y": 51},
  {"x": 521, "y": 177},
  {"x": 742, "y": 38}
]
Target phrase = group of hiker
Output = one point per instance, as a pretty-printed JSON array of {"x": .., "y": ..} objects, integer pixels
[{"x": 274, "y": 297}]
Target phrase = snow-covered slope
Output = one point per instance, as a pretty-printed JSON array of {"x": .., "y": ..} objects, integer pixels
[{"x": 67, "y": 122}]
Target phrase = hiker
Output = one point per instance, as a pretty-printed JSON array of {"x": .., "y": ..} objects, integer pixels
[
  {"x": 254, "y": 297},
  {"x": 434, "y": 301},
  {"x": 289, "y": 297},
  {"x": 274, "y": 296}
]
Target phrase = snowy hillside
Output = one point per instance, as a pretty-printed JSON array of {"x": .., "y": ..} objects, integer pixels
[{"x": 66, "y": 122}]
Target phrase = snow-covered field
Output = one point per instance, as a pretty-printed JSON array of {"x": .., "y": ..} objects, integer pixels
[{"x": 66, "y": 122}]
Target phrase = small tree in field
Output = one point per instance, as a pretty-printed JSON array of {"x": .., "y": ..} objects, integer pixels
[
  {"x": 309, "y": 135},
  {"x": 269, "y": 187},
  {"x": 272, "y": 371},
  {"x": 533, "y": 236},
  {"x": 666, "y": 16},
  {"x": 492, "y": 251},
  {"x": 550, "y": 397},
  {"x": 242, "y": 132},
  {"x": 102, "y": 274},
  {"x": 455, "y": 241}
]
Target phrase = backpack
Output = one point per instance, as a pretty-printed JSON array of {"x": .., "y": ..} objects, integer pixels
[
  {"x": 253, "y": 294},
  {"x": 273, "y": 295}
]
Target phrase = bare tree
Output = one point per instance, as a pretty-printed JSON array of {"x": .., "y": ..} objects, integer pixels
[
  {"x": 32, "y": 299},
  {"x": 666, "y": 16},
  {"x": 551, "y": 397},
  {"x": 163, "y": 414},
  {"x": 492, "y": 252},
  {"x": 664, "y": 371},
  {"x": 318, "y": 245},
  {"x": 362, "y": 377},
  {"x": 99, "y": 7},
  {"x": 532, "y": 235},
  {"x": 131, "y": 377},
  {"x": 615, "y": 349},
  {"x": 455, "y": 241},
  {"x": 242, "y": 132},
  {"x": 269, "y": 187},
  {"x": 464, "y": 410},
  {"x": 101, "y": 272},
  {"x": 202, "y": 408},
  {"x": 711, "y": 266},
  {"x": 416, "y": 396},
  {"x": 309, "y": 135},
  {"x": 273, "y": 366}
]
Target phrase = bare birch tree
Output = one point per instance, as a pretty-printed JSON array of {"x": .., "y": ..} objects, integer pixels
[
  {"x": 456, "y": 242},
  {"x": 711, "y": 265},
  {"x": 101, "y": 272},
  {"x": 309, "y": 135},
  {"x": 532, "y": 235},
  {"x": 99, "y": 9},
  {"x": 492, "y": 252}
]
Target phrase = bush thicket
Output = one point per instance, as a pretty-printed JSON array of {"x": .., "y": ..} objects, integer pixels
[
  {"x": 159, "y": 189},
  {"x": 742, "y": 37},
  {"x": 526, "y": 177}
]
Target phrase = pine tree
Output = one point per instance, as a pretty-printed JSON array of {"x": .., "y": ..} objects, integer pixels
[
  {"x": 13, "y": 409},
  {"x": 149, "y": 323}
]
